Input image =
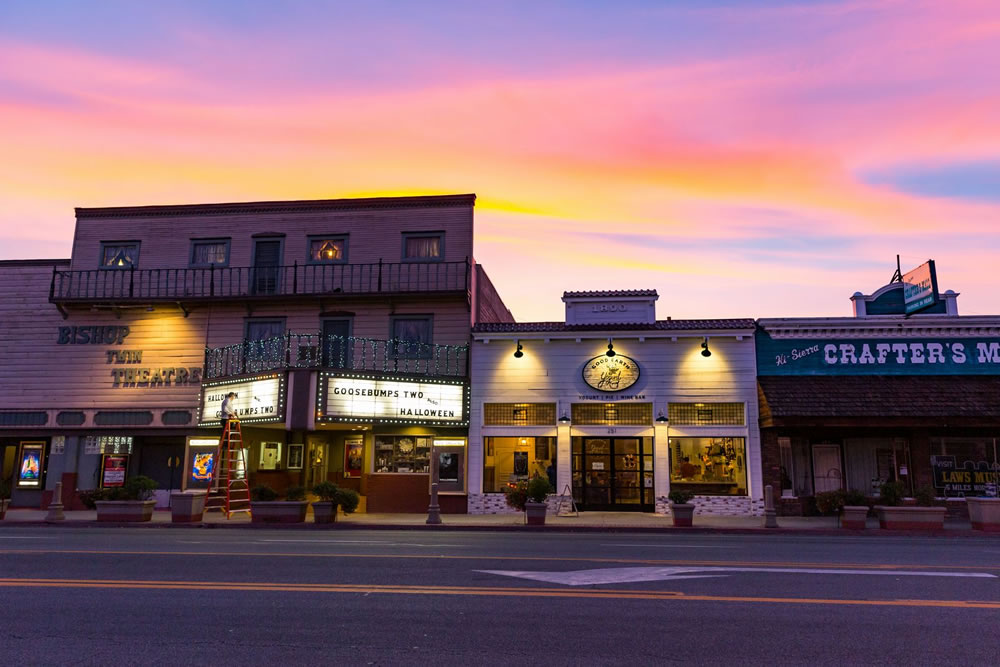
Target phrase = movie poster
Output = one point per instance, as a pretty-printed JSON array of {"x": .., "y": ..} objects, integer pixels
[
  {"x": 354, "y": 457},
  {"x": 113, "y": 470},
  {"x": 202, "y": 468},
  {"x": 31, "y": 465},
  {"x": 448, "y": 467}
]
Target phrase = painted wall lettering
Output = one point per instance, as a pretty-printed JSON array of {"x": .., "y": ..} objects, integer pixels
[{"x": 92, "y": 335}]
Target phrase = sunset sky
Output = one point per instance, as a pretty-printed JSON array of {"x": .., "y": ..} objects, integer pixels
[{"x": 746, "y": 159}]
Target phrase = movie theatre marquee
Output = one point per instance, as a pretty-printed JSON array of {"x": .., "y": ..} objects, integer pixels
[{"x": 362, "y": 398}]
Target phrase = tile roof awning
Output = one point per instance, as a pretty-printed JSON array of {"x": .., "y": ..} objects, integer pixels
[{"x": 943, "y": 400}]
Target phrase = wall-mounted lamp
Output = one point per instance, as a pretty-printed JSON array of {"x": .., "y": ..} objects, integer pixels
[
  {"x": 611, "y": 413},
  {"x": 662, "y": 419},
  {"x": 518, "y": 353},
  {"x": 564, "y": 419},
  {"x": 705, "y": 352},
  {"x": 611, "y": 348}
]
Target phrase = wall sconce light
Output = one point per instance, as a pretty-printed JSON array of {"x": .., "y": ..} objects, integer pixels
[
  {"x": 564, "y": 419},
  {"x": 611, "y": 348},
  {"x": 518, "y": 353},
  {"x": 611, "y": 413},
  {"x": 705, "y": 352},
  {"x": 662, "y": 419}
]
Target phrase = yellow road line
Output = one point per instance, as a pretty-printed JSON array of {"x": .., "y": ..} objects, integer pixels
[
  {"x": 670, "y": 596},
  {"x": 551, "y": 559}
]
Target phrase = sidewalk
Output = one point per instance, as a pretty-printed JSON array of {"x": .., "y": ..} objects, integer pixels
[{"x": 585, "y": 522}]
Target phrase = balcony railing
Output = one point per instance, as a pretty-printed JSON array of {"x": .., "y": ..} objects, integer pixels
[
  {"x": 193, "y": 284},
  {"x": 348, "y": 353}
]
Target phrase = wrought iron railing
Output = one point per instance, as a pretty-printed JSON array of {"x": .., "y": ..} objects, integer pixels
[
  {"x": 192, "y": 284},
  {"x": 348, "y": 353}
]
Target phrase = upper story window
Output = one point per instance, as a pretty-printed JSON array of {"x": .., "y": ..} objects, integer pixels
[
  {"x": 423, "y": 246},
  {"x": 413, "y": 336},
  {"x": 119, "y": 254},
  {"x": 264, "y": 328},
  {"x": 210, "y": 252},
  {"x": 327, "y": 249}
]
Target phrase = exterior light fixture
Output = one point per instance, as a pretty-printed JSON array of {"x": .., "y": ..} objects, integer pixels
[
  {"x": 611, "y": 348},
  {"x": 662, "y": 419},
  {"x": 611, "y": 413},
  {"x": 518, "y": 353},
  {"x": 705, "y": 352},
  {"x": 565, "y": 419}
]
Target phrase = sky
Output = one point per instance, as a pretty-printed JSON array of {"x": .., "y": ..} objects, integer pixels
[{"x": 745, "y": 159}]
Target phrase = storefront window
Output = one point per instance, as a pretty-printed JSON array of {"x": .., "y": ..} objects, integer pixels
[
  {"x": 965, "y": 466},
  {"x": 709, "y": 466},
  {"x": 403, "y": 453},
  {"x": 507, "y": 461}
]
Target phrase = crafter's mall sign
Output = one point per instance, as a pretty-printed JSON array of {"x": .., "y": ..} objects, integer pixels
[{"x": 615, "y": 373}]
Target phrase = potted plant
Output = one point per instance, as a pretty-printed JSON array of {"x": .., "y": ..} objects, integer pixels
[
  {"x": 4, "y": 498},
  {"x": 893, "y": 515},
  {"x": 266, "y": 508},
  {"x": 681, "y": 508},
  {"x": 332, "y": 497},
  {"x": 854, "y": 510},
  {"x": 132, "y": 502},
  {"x": 983, "y": 512},
  {"x": 529, "y": 497},
  {"x": 187, "y": 506}
]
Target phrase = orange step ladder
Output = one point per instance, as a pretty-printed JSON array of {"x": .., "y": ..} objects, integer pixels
[{"x": 231, "y": 492}]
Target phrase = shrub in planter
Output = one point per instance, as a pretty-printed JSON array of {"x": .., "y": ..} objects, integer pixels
[
  {"x": 529, "y": 497},
  {"x": 925, "y": 497},
  {"x": 332, "y": 497},
  {"x": 893, "y": 516},
  {"x": 830, "y": 502},
  {"x": 680, "y": 508},
  {"x": 266, "y": 508},
  {"x": 854, "y": 510},
  {"x": 4, "y": 497},
  {"x": 131, "y": 502}
]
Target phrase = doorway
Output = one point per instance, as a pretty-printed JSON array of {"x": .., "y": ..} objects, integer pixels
[
  {"x": 613, "y": 474},
  {"x": 337, "y": 350},
  {"x": 828, "y": 474},
  {"x": 266, "y": 266}
]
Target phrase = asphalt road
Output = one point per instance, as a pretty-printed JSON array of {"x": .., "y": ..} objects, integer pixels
[{"x": 217, "y": 597}]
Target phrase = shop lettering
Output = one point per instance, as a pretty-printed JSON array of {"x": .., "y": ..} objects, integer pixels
[
  {"x": 606, "y": 397},
  {"x": 849, "y": 354},
  {"x": 424, "y": 412},
  {"x": 154, "y": 377},
  {"x": 795, "y": 355},
  {"x": 92, "y": 335},
  {"x": 608, "y": 308}
]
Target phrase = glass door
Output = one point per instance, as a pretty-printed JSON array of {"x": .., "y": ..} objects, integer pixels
[
  {"x": 266, "y": 260},
  {"x": 613, "y": 473}
]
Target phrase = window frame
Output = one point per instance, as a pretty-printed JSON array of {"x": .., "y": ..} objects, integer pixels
[
  {"x": 423, "y": 235},
  {"x": 222, "y": 239},
  {"x": 429, "y": 318},
  {"x": 327, "y": 237},
  {"x": 105, "y": 244},
  {"x": 247, "y": 321}
]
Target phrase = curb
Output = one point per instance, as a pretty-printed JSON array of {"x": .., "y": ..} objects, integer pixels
[{"x": 340, "y": 526}]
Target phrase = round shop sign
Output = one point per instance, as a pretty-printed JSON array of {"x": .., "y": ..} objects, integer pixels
[{"x": 615, "y": 373}]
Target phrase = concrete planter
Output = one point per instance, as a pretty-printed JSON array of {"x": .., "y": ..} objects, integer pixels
[
  {"x": 325, "y": 512},
  {"x": 910, "y": 518},
  {"x": 278, "y": 511},
  {"x": 854, "y": 517},
  {"x": 187, "y": 507},
  {"x": 3, "y": 507},
  {"x": 535, "y": 513},
  {"x": 984, "y": 514},
  {"x": 125, "y": 510},
  {"x": 683, "y": 514}
]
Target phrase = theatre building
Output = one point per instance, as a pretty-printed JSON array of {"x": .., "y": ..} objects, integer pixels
[
  {"x": 342, "y": 326},
  {"x": 886, "y": 395},
  {"x": 616, "y": 407}
]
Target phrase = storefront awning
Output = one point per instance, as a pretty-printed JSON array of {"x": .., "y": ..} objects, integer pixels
[{"x": 917, "y": 400}]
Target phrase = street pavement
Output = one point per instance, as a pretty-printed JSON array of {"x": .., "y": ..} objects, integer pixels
[{"x": 95, "y": 596}]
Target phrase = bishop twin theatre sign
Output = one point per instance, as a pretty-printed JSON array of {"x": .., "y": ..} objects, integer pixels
[{"x": 890, "y": 356}]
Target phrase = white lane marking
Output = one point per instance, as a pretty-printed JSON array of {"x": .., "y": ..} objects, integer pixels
[
  {"x": 618, "y": 575},
  {"x": 668, "y": 546},
  {"x": 384, "y": 544}
]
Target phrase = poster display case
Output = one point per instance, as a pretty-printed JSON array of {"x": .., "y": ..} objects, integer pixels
[
  {"x": 31, "y": 465},
  {"x": 200, "y": 463}
]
